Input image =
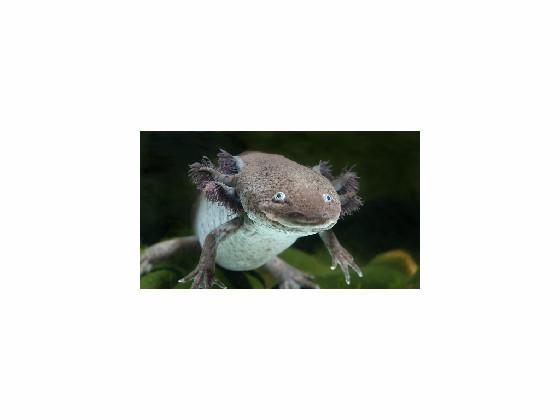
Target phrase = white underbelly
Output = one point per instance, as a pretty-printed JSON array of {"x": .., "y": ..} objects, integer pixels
[{"x": 247, "y": 248}]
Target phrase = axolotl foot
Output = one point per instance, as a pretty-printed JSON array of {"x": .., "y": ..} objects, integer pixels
[
  {"x": 297, "y": 280},
  {"x": 202, "y": 278},
  {"x": 289, "y": 277},
  {"x": 339, "y": 255},
  {"x": 343, "y": 258}
]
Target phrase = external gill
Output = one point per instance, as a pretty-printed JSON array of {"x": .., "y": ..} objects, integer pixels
[{"x": 218, "y": 187}]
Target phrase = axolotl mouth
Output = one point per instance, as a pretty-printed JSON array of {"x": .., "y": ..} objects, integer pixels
[{"x": 309, "y": 226}]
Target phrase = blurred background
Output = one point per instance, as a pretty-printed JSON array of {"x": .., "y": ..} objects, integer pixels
[{"x": 383, "y": 236}]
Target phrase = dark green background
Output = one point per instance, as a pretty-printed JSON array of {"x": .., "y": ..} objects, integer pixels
[{"x": 388, "y": 164}]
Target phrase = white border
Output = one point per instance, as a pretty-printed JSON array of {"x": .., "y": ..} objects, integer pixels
[{"x": 79, "y": 81}]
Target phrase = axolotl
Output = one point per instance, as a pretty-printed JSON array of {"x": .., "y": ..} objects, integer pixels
[{"x": 254, "y": 206}]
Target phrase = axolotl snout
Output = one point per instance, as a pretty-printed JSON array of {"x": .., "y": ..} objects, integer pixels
[{"x": 255, "y": 205}]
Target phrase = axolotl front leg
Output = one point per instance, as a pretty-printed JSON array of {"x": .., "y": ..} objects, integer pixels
[
  {"x": 346, "y": 186},
  {"x": 218, "y": 184},
  {"x": 203, "y": 275}
]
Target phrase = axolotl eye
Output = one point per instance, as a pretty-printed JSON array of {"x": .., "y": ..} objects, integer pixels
[
  {"x": 327, "y": 198},
  {"x": 279, "y": 196}
]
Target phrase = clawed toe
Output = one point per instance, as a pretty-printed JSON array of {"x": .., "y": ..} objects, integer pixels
[{"x": 202, "y": 278}]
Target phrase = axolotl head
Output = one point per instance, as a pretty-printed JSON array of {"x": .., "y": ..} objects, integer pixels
[{"x": 279, "y": 193}]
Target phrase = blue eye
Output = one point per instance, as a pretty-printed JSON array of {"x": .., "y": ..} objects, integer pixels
[
  {"x": 327, "y": 198},
  {"x": 279, "y": 196}
]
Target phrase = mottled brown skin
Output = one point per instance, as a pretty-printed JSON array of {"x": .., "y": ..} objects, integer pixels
[{"x": 248, "y": 184}]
